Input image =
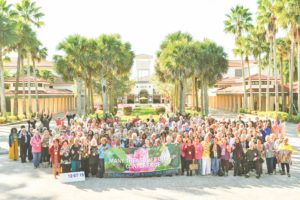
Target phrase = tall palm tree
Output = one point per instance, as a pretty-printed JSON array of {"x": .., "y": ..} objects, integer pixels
[
  {"x": 282, "y": 49},
  {"x": 289, "y": 18},
  {"x": 28, "y": 15},
  {"x": 115, "y": 59},
  {"x": 37, "y": 53},
  {"x": 176, "y": 60},
  {"x": 268, "y": 20},
  {"x": 7, "y": 38},
  {"x": 239, "y": 21},
  {"x": 258, "y": 47}
]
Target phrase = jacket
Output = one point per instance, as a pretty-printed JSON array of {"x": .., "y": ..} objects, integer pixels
[
  {"x": 36, "y": 144},
  {"x": 189, "y": 152},
  {"x": 52, "y": 153},
  {"x": 237, "y": 148},
  {"x": 218, "y": 151}
]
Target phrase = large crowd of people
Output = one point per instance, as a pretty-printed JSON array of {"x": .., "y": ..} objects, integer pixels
[{"x": 213, "y": 146}]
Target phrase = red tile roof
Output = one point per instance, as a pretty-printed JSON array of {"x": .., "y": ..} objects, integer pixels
[
  {"x": 44, "y": 92},
  {"x": 43, "y": 63},
  {"x": 263, "y": 77},
  {"x": 238, "y": 63},
  {"x": 26, "y": 79},
  {"x": 240, "y": 90}
]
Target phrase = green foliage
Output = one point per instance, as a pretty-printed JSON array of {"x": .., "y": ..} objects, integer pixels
[
  {"x": 127, "y": 110},
  {"x": 245, "y": 111},
  {"x": 273, "y": 114},
  {"x": 294, "y": 119},
  {"x": 2, "y": 120},
  {"x": 21, "y": 117},
  {"x": 12, "y": 118},
  {"x": 160, "y": 110}
]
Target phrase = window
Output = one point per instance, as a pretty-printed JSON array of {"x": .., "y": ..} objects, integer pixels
[
  {"x": 238, "y": 72},
  {"x": 40, "y": 85}
]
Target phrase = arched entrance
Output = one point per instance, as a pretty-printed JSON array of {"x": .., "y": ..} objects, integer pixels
[{"x": 143, "y": 96}]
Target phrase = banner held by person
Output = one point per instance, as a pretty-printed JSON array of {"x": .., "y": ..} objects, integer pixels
[{"x": 152, "y": 161}]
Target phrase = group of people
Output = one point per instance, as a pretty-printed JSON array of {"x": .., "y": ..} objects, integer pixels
[{"x": 213, "y": 146}]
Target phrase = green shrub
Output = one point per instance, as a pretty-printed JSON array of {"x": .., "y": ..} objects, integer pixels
[
  {"x": 21, "y": 117},
  {"x": 160, "y": 110},
  {"x": 273, "y": 114},
  {"x": 12, "y": 118},
  {"x": 294, "y": 119},
  {"x": 127, "y": 110},
  {"x": 245, "y": 111},
  {"x": 2, "y": 120}
]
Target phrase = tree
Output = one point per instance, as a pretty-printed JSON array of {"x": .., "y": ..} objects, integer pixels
[
  {"x": 37, "y": 53},
  {"x": 211, "y": 64},
  {"x": 7, "y": 38},
  {"x": 258, "y": 46},
  {"x": 237, "y": 22},
  {"x": 175, "y": 60},
  {"x": 115, "y": 59},
  {"x": 28, "y": 15},
  {"x": 289, "y": 18},
  {"x": 282, "y": 49},
  {"x": 70, "y": 65},
  {"x": 268, "y": 20}
]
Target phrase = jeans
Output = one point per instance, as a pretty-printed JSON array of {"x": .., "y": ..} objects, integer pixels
[
  {"x": 75, "y": 165},
  {"x": 237, "y": 167},
  {"x": 214, "y": 166},
  {"x": 287, "y": 167},
  {"x": 199, "y": 162},
  {"x": 101, "y": 168},
  {"x": 270, "y": 164},
  {"x": 36, "y": 159}
]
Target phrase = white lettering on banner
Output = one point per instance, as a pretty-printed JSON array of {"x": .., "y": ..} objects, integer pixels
[{"x": 72, "y": 177}]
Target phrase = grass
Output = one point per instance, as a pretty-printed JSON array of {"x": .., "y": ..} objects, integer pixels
[{"x": 142, "y": 112}]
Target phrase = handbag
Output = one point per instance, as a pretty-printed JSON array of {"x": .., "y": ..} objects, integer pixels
[{"x": 193, "y": 166}]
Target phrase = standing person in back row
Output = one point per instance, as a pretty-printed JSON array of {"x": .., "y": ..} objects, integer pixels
[
  {"x": 45, "y": 119},
  {"x": 13, "y": 145},
  {"x": 24, "y": 140}
]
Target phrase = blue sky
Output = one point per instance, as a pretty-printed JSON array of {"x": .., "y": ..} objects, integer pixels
[{"x": 143, "y": 23}]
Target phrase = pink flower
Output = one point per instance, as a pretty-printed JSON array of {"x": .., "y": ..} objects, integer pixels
[{"x": 140, "y": 162}]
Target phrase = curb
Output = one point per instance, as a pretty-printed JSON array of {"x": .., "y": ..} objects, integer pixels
[{"x": 13, "y": 123}]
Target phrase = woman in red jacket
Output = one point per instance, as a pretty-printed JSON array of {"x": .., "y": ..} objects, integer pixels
[
  {"x": 189, "y": 155},
  {"x": 54, "y": 152}
]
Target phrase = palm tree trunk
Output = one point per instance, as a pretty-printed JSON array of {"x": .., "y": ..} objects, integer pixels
[
  {"x": 104, "y": 95},
  {"x": 193, "y": 93},
  {"x": 250, "y": 105},
  {"x": 23, "y": 87},
  {"x": 36, "y": 88},
  {"x": 298, "y": 68},
  {"x": 16, "y": 96},
  {"x": 282, "y": 85},
  {"x": 110, "y": 97},
  {"x": 87, "y": 97},
  {"x": 29, "y": 87},
  {"x": 244, "y": 83},
  {"x": 268, "y": 79},
  {"x": 202, "y": 98},
  {"x": 78, "y": 96},
  {"x": 196, "y": 94},
  {"x": 2, "y": 86},
  {"x": 259, "y": 89},
  {"x": 275, "y": 70},
  {"x": 92, "y": 97},
  {"x": 205, "y": 98},
  {"x": 291, "y": 77},
  {"x": 85, "y": 106},
  {"x": 182, "y": 100}
]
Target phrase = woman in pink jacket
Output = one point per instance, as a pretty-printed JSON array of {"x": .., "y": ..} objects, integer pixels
[
  {"x": 198, "y": 154},
  {"x": 36, "y": 149}
]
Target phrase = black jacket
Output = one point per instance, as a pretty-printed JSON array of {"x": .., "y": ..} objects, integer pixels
[
  {"x": 235, "y": 150},
  {"x": 218, "y": 151}
]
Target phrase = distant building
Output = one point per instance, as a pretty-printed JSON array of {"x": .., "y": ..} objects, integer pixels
[{"x": 143, "y": 90}]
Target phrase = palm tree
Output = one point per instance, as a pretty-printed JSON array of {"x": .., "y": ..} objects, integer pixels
[
  {"x": 247, "y": 47},
  {"x": 115, "y": 59},
  {"x": 175, "y": 59},
  {"x": 71, "y": 64},
  {"x": 268, "y": 20},
  {"x": 289, "y": 18},
  {"x": 28, "y": 15},
  {"x": 237, "y": 22},
  {"x": 258, "y": 47},
  {"x": 282, "y": 49},
  {"x": 7, "y": 38},
  {"x": 37, "y": 53}
]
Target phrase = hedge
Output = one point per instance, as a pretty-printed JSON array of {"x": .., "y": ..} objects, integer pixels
[
  {"x": 12, "y": 118},
  {"x": 127, "y": 110},
  {"x": 160, "y": 110},
  {"x": 294, "y": 119}
]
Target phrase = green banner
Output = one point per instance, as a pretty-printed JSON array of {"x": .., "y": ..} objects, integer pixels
[{"x": 125, "y": 161}]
